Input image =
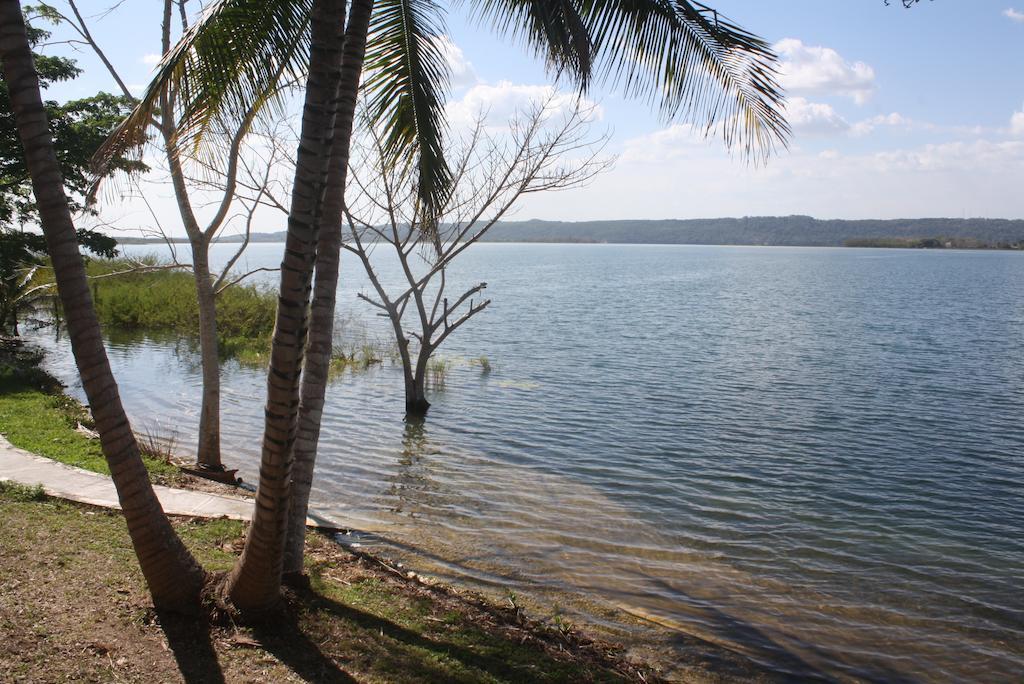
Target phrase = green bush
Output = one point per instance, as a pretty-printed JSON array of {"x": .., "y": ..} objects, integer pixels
[{"x": 165, "y": 300}]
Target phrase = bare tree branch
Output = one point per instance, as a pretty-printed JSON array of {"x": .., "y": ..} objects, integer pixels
[
  {"x": 243, "y": 276},
  {"x": 547, "y": 147}
]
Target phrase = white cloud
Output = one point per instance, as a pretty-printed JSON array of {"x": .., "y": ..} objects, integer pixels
[
  {"x": 814, "y": 118},
  {"x": 1014, "y": 15},
  {"x": 463, "y": 75},
  {"x": 819, "y": 119},
  {"x": 867, "y": 126},
  {"x": 150, "y": 59},
  {"x": 981, "y": 156},
  {"x": 816, "y": 70},
  {"x": 502, "y": 101},
  {"x": 673, "y": 173},
  {"x": 1017, "y": 123},
  {"x": 675, "y": 142}
]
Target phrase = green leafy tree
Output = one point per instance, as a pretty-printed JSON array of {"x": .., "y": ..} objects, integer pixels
[
  {"x": 78, "y": 129},
  {"x": 22, "y": 254}
]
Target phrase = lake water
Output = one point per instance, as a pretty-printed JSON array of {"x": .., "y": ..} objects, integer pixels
[{"x": 813, "y": 457}]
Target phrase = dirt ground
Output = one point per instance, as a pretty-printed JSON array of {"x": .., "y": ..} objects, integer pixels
[{"x": 73, "y": 607}]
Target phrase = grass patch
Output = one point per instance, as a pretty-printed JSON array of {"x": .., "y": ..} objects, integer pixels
[
  {"x": 165, "y": 300},
  {"x": 22, "y": 493},
  {"x": 247, "y": 352},
  {"x": 483, "y": 363},
  {"x": 214, "y": 543},
  {"x": 76, "y": 609},
  {"x": 360, "y": 357},
  {"x": 437, "y": 371},
  {"x": 37, "y": 417}
]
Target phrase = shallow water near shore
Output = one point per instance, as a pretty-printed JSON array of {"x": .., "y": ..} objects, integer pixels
[{"x": 811, "y": 456}]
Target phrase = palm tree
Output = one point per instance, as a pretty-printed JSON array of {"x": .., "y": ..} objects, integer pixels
[
  {"x": 174, "y": 577},
  {"x": 678, "y": 55},
  {"x": 321, "y": 331},
  {"x": 255, "y": 581}
]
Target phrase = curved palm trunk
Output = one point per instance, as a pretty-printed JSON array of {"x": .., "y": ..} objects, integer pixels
[
  {"x": 328, "y": 252},
  {"x": 174, "y": 577},
  {"x": 255, "y": 582}
]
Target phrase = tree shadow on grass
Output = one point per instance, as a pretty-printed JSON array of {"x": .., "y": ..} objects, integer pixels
[
  {"x": 314, "y": 632},
  {"x": 402, "y": 649},
  {"x": 190, "y": 642},
  {"x": 284, "y": 639}
]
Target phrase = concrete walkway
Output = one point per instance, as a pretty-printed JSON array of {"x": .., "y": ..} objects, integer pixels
[{"x": 67, "y": 482}]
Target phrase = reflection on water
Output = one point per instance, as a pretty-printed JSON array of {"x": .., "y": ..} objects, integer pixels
[
  {"x": 811, "y": 457},
  {"x": 413, "y": 481}
]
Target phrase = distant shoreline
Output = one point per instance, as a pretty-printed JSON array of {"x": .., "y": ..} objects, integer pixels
[
  {"x": 771, "y": 231},
  {"x": 931, "y": 243},
  {"x": 922, "y": 244}
]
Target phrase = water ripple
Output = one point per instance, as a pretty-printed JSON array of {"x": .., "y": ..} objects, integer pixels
[{"x": 812, "y": 456}]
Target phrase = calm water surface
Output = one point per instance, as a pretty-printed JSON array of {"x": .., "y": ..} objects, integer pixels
[{"x": 813, "y": 457}]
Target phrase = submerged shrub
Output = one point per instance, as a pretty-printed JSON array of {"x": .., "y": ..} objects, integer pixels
[
  {"x": 165, "y": 300},
  {"x": 437, "y": 369}
]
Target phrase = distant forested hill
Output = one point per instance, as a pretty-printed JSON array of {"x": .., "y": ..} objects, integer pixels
[
  {"x": 757, "y": 230},
  {"x": 753, "y": 230}
]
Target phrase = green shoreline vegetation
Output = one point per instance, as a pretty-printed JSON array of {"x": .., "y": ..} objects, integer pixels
[
  {"x": 36, "y": 415},
  {"x": 941, "y": 242},
  {"x": 357, "y": 616},
  {"x": 148, "y": 296},
  {"x": 780, "y": 231},
  {"x": 164, "y": 299}
]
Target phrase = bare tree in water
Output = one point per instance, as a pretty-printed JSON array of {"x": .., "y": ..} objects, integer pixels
[{"x": 547, "y": 147}]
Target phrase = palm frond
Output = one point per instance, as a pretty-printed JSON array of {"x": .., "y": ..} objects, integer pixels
[
  {"x": 407, "y": 77},
  {"x": 682, "y": 56},
  {"x": 232, "y": 60},
  {"x": 693, "y": 64},
  {"x": 553, "y": 29}
]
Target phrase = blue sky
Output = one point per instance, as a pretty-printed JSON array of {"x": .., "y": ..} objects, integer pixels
[{"x": 896, "y": 113}]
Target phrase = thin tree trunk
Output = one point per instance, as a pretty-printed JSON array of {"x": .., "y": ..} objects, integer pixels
[
  {"x": 208, "y": 452},
  {"x": 417, "y": 404},
  {"x": 174, "y": 577},
  {"x": 407, "y": 372},
  {"x": 208, "y": 455},
  {"x": 255, "y": 582},
  {"x": 209, "y": 417},
  {"x": 328, "y": 258},
  {"x": 99, "y": 53}
]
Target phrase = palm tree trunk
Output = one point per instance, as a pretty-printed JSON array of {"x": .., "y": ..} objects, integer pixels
[
  {"x": 174, "y": 577},
  {"x": 328, "y": 257},
  {"x": 255, "y": 582}
]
